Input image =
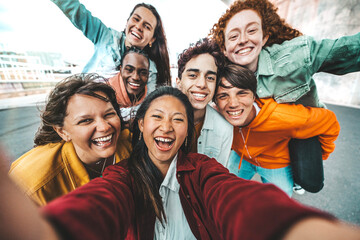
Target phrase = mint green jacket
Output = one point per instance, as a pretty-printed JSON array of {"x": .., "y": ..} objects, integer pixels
[
  {"x": 285, "y": 70},
  {"x": 109, "y": 44}
]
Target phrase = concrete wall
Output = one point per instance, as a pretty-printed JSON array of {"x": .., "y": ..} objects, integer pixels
[{"x": 327, "y": 19}]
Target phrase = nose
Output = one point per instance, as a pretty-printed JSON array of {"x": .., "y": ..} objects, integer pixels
[
  {"x": 135, "y": 75},
  {"x": 243, "y": 38},
  {"x": 201, "y": 82},
  {"x": 138, "y": 25},
  {"x": 103, "y": 125},
  {"x": 233, "y": 102},
  {"x": 166, "y": 125}
]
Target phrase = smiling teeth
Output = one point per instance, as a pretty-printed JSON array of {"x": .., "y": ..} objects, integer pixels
[
  {"x": 245, "y": 50},
  {"x": 103, "y": 139},
  {"x": 134, "y": 84},
  {"x": 235, "y": 113},
  {"x": 135, "y": 34},
  {"x": 199, "y": 95},
  {"x": 160, "y": 139}
]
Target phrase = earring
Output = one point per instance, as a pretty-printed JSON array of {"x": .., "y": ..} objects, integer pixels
[
  {"x": 150, "y": 44},
  {"x": 186, "y": 141},
  {"x": 140, "y": 135}
]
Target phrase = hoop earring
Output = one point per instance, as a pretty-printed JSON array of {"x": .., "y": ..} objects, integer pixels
[{"x": 140, "y": 136}]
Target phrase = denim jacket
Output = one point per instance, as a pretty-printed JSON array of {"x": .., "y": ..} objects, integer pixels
[
  {"x": 109, "y": 44},
  {"x": 285, "y": 70},
  {"x": 216, "y": 136}
]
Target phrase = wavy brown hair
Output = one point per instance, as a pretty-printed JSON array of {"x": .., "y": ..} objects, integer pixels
[
  {"x": 57, "y": 101},
  {"x": 272, "y": 25}
]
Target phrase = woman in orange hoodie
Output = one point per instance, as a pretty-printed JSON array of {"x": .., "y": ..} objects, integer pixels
[{"x": 263, "y": 128}]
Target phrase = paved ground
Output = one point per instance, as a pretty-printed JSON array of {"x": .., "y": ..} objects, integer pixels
[{"x": 340, "y": 195}]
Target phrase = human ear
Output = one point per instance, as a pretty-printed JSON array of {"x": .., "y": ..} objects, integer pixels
[
  {"x": 141, "y": 124},
  {"x": 265, "y": 40},
  {"x": 178, "y": 83},
  {"x": 62, "y": 133}
]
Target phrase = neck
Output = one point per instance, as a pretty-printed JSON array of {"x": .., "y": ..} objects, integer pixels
[{"x": 199, "y": 115}]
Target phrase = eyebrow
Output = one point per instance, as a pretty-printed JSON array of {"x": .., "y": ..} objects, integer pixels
[
  {"x": 176, "y": 113},
  {"x": 198, "y": 70}
]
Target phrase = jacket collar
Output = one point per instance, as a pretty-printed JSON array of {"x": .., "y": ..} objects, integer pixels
[{"x": 184, "y": 163}]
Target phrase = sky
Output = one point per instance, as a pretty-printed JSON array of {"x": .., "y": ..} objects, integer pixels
[{"x": 39, "y": 25}]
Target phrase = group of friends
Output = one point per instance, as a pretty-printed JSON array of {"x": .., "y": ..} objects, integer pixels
[{"x": 124, "y": 153}]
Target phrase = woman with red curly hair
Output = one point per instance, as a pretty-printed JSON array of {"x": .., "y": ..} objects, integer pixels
[{"x": 254, "y": 36}]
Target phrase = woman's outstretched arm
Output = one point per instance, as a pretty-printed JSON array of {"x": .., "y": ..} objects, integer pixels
[{"x": 19, "y": 216}]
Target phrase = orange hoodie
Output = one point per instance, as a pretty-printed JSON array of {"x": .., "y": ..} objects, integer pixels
[{"x": 267, "y": 137}]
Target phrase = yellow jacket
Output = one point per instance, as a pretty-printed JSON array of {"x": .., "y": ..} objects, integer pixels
[{"x": 50, "y": 171}]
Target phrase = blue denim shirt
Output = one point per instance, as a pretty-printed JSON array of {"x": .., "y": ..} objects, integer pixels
[
  {"x": 285, "y": 70},
  {"x": 109, "y": 44},
  {"x": 216, "y": 137}
]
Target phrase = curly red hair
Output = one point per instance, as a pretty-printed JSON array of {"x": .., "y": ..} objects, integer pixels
[{"x": 272, "y": 24}]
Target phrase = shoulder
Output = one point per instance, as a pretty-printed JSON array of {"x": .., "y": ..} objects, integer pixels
[
  {"x": 219, "y": 122},
  {"x": 40, "y": 163}
]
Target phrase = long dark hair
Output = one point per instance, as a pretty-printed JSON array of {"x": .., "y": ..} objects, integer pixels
[
  {"x": 158, "y": 52},
  {"x": 57, "y": 101},
  {"x": 147, "y": 177}
]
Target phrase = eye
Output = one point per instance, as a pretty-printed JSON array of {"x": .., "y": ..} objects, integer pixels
[
  {"x": 233, "y": 36},
  {"x": 211, "y": 78},
  {"x": 252, "y": 30},
  {"x": 84, "y": 121},
  {"x": 148, "y": 27},
  {"x": 110, "y": 114},
  {"x": 221, "y": 97},
  {"x": 144, "y": 73},
  {"x": 179, "y": 119},
  {"x": 129, "y": 69},
  {"x": 156, "y": 116}
]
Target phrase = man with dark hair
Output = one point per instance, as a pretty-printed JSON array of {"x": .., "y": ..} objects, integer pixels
[{"x": 198, "y": 69}]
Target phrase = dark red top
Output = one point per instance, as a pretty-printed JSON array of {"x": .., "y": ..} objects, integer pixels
[{"x": 217, "y": 205}]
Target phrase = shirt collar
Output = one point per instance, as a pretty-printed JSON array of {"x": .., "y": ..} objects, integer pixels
[{"x": 170, "y": 180}]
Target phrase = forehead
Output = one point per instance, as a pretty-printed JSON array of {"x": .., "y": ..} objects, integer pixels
[
  {"x": 243, "y": 19},
  {"x": 135, "y": 59},
  {"x": 145, "y": 14},
  {"x": 80, "y": 104},
  {"x": 167, "y": 104},
  {"x": 203, "y": 63}
]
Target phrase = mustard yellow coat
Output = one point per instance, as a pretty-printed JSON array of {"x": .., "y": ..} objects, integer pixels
[{"x": 50, "y": 171}]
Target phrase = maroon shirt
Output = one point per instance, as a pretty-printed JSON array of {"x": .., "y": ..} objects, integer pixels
[{"x": 217, "y": 205}]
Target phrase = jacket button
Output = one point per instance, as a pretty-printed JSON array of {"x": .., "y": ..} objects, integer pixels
[
  {"x": 179, "y": 175},
  {"x": 199, "y": 142},
  {"x": 188, "y": 196}
]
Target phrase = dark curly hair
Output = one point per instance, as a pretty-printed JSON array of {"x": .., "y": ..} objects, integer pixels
[
  {"x": 56, "y": 104},
  {"x": 202, "y": 46},
  {"x": 272, "y": 24}
]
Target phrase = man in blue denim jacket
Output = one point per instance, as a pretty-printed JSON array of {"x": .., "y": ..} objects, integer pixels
[{"x": 198, "y": 68}]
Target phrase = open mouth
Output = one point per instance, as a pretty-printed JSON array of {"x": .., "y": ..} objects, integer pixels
[
  {"x": 235, "y": 114},
  {"x": 164, "y": 144},
  {"x": 102, "y": 141},
  {"x": 199, "y": 96}
]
